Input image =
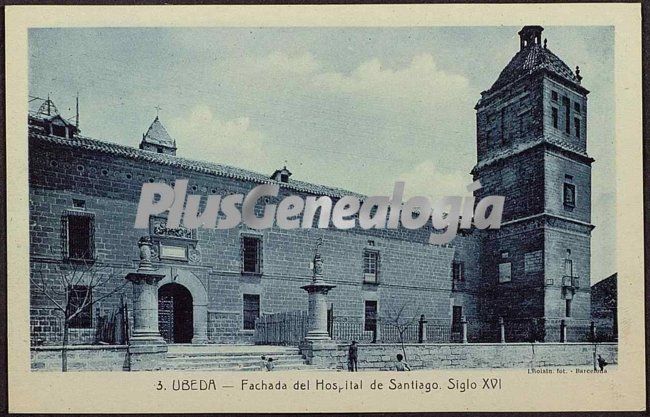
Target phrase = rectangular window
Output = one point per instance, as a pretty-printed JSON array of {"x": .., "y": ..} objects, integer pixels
[
  {"x": 251, "y": 254},
  {"x": 80, "y": 204},
  {"x": 80, "y": 296},
  {"x": 251, "y": 310},
  {"x": 567, "y": 114},
  {"x": 370, "y": 266},
  {"x": 554, "y": 95},
  {"x": 370, "y": 317},
  {"x": 555, "y": 117},
  {"x": 505, "y": 272},
  {"x": 569, "y": 195},
  {"x": 456, "y": 317},
  {"x": 568, "y": 268},
  {"x": 78, "y": 231},
  {"x": 458, "y": 271},
  {"x": 567, "y": 308},
  {"x": 576, "y": 124},
  {"x": 576, "y": 107}
]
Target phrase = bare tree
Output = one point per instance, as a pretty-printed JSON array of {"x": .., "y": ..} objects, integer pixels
[
  {"x": 398, "y": 319},
  {"x": 68, "y": 277}
]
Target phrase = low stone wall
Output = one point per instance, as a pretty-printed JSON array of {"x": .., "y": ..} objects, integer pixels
[
  {"x": 81, "y": 358},
  {"x": 471, "y": 355}
]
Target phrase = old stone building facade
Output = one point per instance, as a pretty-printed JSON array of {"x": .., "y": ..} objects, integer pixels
[{"x": 533, "y": 272}]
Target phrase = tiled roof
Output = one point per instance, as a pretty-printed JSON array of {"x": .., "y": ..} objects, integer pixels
[
  {"x": 87, "y": 143},
  {"x": 529, "y": 60},
  {"x": 157, "y": 135}
]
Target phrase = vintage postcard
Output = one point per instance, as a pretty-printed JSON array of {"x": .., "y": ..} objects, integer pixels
[{"x": 325, "y": 208}]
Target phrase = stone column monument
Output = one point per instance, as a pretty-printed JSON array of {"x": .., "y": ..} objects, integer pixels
[
  {"x": 147, "y": 348},
  {"x": 318, "y": 345}
]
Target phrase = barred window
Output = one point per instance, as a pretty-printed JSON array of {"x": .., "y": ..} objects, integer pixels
[
  {"x": 576, "y": 123},
  {"x": 370, "y": 266},
  {"x": 456, "y": 318},
  {"x": 370, "y": 317},
  {"x": 78, "y": 235},
  {"x": 251, "y": 310},
  {"x": 458, "y": 271},
  {"x": 80, "y": 296},
  {"x": 554, "y": 116},
  {"x": 251, "y": 254}
]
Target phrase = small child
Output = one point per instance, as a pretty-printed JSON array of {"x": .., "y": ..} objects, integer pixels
[
  {"x": 263, "y": 363},
  {"x": 269, "y": 364},
  {"x": 401, "y": 365}
]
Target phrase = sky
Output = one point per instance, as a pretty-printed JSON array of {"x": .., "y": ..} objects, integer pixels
[{"x": 356, "y": 108}]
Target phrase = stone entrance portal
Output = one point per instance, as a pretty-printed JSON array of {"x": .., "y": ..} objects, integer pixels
[
  {"x": 175, "y": 311},
  {"x": 190, "y": 306}
]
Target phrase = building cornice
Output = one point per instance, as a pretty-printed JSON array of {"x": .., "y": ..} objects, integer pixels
[{"x": 529, "y": 146}]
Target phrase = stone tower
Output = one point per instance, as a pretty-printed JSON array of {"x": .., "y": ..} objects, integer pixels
[{"x": 531, "y": 147}]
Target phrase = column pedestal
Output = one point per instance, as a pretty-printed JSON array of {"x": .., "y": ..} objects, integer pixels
[
  {"x": 147, "y": 348},
  {"x": 318, "y": 347},
  {"x": 317, "y": 310}
]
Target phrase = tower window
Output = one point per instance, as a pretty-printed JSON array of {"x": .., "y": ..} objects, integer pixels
[
  {"x": 569, "y": 195},
  {"x": 567, "y": 114},
  {"x": 554, "y": 95},
  {"x": 567, "y": 308},
  {"x": 576, "y": 123},
  {"x": 458, "y": 271},
  {"x": 555, "y": 117},
  {"x": 159, "y": 149},
  {"x": 505, "y": 272},
  {"x": 576, "y": 107},
  {"x": 568, "y": 267}
]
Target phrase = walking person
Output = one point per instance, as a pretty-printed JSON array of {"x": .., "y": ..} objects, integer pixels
[
  {"x": 602, "y": 363},
  {"x": 352, "y": 357},
  {"x": 400, "y": 365},
  {"x": 263, "y": 363}
]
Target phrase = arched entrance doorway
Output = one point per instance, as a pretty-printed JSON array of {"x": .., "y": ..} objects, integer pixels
[{"x": 175, "y": 313}]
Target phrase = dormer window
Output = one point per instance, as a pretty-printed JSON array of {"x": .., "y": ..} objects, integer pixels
[
  {"x": 281, "y": 175},
  {"x": 58, "y": 131}
]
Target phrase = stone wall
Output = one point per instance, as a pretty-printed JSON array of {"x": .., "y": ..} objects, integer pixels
[
  {"x": 472, "y": 355},
  {"x": 411, "y": 272},
  {"x": 80, "y": 358}
]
